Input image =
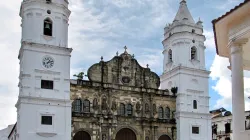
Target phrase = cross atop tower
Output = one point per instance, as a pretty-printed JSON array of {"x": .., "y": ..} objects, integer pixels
[{"x": 125, "y": 48}]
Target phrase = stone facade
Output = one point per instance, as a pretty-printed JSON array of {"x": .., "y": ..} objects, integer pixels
[{"x": 122, "y": 94}]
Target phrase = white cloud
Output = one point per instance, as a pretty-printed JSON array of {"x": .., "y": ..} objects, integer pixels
[
  {"x": 209, "y": 43},
  {"x": 9, "y": 47},
  {"x": 223, "y": 85},
  {"x": 105, "y": 27}
]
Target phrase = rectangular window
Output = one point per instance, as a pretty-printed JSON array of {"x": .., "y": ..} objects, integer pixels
[
  {"x": 227, "y": 128},
  {"x": 46, "y": 120},
  {"x": 195, "y": 130},
  {"x": 45, "y": 84}
]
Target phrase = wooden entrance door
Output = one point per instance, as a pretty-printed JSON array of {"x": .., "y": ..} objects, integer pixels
[
  {"x": 164, "y": 137},
  {"x": 125, "y": 134},
  {"x": 82, "y": 135}
]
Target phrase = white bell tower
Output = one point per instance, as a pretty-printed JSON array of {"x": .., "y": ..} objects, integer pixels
[
  {"x": 43, "y": 106},
  {"x": 184, "y": 67}
]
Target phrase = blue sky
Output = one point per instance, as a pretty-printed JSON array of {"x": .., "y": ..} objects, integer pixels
[{"x": 103, "y": 27}]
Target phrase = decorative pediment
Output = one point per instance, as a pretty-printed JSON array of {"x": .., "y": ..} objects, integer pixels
[{"x": 123, "y": 70}]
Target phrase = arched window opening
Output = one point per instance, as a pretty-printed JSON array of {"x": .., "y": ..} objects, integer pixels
[
  {"x": 86, "y": 106},
  {"x": 194, "y": 104},
  {"x": 160, "y": 113},
  {"x": 129, "y": 110},
  {"x": 170, "y": 34},
  {"x": 95, "y": 103},
  {"x": 122, "y": 109},
  {"x": 170, "y": 56},
  {"x": 227, "y": 138},
  {"x": 167, "y": 112},
  {"x": 193, "y": 53},
  {"x": 227, "y": 128},
  {"x": 77, "y": 107},
  {"x": 193, "y": 30},
  {"x": 47, "y": 29}
]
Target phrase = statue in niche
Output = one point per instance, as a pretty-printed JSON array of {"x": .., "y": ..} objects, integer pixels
[
  {"x": 147, "y": 138},
  {"x": 104, "y": 104},
  {"x": 146, "y": 108},
  {"x": 104, "y": 137},
  {"x": 95, "y": 103},
  {"x": 138, "y": 107},
  {"x": 154, "y": 108},
  {"x": 114, "y": 105}
]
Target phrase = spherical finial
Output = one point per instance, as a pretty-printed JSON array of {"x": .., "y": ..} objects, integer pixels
[{"x": 101, "y": 58}]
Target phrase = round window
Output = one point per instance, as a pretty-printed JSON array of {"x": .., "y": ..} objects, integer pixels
[{"x": 48, "y": 11}]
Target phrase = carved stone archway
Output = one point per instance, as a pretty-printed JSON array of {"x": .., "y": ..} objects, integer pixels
[
  {"x": 164, "y": 137},
  {"x": 125, "y": 134},
  {"x": 82, "y": 135}
]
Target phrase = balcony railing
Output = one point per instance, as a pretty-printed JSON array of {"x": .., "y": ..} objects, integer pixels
[{"x": 223, "y": 133}]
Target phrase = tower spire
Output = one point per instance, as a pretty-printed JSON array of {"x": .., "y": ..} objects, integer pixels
[{"x": 183, "y": 13}]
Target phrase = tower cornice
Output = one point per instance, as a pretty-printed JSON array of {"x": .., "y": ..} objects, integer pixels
[
  {"x": 32, "y": 2},
  {"x": 42, "y": 47}
]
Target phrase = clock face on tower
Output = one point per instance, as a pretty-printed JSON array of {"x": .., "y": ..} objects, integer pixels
[{"x": 48, "y": 62}]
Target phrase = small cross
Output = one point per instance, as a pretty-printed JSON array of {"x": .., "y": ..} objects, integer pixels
[
  {"x": 125, "y": 47},
  {"x": 147, "y": 65},
  {"x": 133, "y": 56}
]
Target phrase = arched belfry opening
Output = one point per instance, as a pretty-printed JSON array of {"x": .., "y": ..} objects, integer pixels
[
  {"x": 193, "y": 53},
  {"x": 194, "y": 104},
  {"x": 170, "y": 57},
  {"x": 47, "y": 27},
  {"x": 82, "y": 135},
  {"x": 125, "y": 134},
  {"x": 164, "y": 137}
]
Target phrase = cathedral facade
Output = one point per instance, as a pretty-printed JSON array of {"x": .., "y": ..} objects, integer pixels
[{"x": 121, "y": 100}]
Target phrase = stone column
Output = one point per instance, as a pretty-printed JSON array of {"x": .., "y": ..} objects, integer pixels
[{"x": 238, "y": 103}]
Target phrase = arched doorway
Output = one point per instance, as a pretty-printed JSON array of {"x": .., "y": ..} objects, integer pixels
[
  {"x": 164, "y": 137},
  {"x": 82, "y": 135},
  {"x": 125, "y": 134}
]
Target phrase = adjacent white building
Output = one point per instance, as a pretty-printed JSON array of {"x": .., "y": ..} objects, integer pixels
[
  {"x": 43, "y": 106},
  {"x": 184, "y": 67},
  {"x": 222, "y": 121}
]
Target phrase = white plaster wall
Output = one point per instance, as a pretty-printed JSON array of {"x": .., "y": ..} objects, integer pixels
[
  {"x": 181, "y": 45},
  {"x": 29, "y": 122},
  {"x": 32, "y": 72},
  {"x": 184, "y": 125}
]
